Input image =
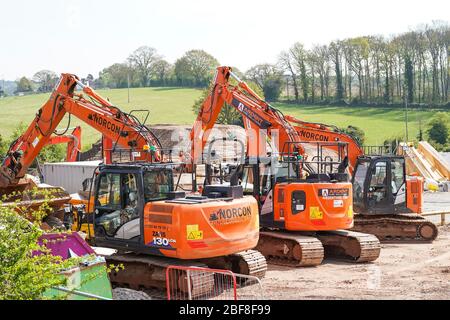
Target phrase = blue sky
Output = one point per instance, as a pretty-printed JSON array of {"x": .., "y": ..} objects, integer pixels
[{"x": 85, "y": 36}]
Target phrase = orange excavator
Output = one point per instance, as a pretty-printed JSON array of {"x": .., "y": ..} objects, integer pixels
[
  {"x": 387, "y": 201},
  {"x": 73, "y": 141},
  {"x": 305, "y": 208},
  {"x": 137, "y": 209}
]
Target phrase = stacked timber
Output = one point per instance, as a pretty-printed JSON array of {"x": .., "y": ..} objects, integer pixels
[
  {"x": 435, "y": 159},
  {"x": 426, "y": 162}
]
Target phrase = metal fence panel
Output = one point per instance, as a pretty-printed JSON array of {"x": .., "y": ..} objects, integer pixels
[{"x": 194, "y": 283}]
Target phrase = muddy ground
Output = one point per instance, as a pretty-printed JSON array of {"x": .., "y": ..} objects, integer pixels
[{"x": 403, "y": 271}]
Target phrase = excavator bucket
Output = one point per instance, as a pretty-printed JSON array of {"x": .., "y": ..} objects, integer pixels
[
  {"x": 4, "y": 180},
  {"x": 26, "y": 196}
]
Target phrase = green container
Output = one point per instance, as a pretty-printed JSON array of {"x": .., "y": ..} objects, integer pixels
[{"x": 91, "y": 279}]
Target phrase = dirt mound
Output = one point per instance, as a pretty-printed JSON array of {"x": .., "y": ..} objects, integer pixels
[{"x": 175, "y": 142}]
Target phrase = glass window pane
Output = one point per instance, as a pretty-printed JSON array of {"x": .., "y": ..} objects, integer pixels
[
  {"x": 358, "y": 184},
  {"x": 157, "y": 184},
  {"x": 398, "y": 175},
  {"x": 109, "y": 191},
  {"x": 378, "y": 184}
]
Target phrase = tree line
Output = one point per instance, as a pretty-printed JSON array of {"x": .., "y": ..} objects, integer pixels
[
  {"x": 143, "y": 68},
  {"x": 412, "y": 67}
]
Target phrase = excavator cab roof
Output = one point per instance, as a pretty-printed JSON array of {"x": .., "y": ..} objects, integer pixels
[{"x": 140, "y": 165}]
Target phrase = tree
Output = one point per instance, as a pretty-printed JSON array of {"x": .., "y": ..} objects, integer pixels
[
  {"x": 286, "y": 63},
  {"x": 336, "y": 57},
  {"x": 24, "y": 85},
  {"x": 268, "y": 78},
  {"x": 116, "y": 76},
  {"x": 195, "y": 68},
  {"x": 143, "y": 60},
  {"x": 163, "y": 71},
  {"x": 300, "y": 56},
  {"x": 46, "y": 80},
  {"x": 438, "y": 130},
  {"x": 3, "y": 147},
  {"x": 356, "y": 133},
  {"x": 24, "y": 275},
  {"x": 320, "y": 56}
]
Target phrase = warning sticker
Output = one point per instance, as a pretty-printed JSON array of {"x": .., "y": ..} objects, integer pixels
[
  {"x": 334, "y": 193},
  {"x": 350, "y": 212},
  {"x": 315, "y": 213},
  {"x": 338, "y": 203},
  {"x": 193, "y": 233},
  {"x": 36, "y": 141}
]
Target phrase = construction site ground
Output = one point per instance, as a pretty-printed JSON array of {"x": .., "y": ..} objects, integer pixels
[
  {"x": 419, "y": 271},
  {"x": 403, "y": 270}
]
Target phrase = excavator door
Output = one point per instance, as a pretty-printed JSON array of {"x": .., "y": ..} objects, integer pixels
[
  {"x": 118, "y": 207},
  {"x": 379, "y": 185}
]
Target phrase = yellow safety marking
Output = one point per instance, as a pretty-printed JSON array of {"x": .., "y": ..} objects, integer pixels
[
  {"x": 193, "y": 233},
  {"x": 315, "y": 213},
  {"x": 350, "y": 212}
]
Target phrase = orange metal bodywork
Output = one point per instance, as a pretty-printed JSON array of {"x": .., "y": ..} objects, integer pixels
[
  {"x": 73, "y": 142},
  {"x": 415, "y": 189},
  {"x": 321, "y": 213},
  {"x": 204, "y": 230}
]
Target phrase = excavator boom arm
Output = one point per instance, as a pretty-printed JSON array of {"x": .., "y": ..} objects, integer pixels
[
  {"x": 122, "y": 128},
  {"x": 260, "y": 119}
]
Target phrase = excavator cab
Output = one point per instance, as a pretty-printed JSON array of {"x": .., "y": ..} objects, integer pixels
[
  {"x": 137, "y": 208},
  {"x": 379, "y": 185},
  {"x": 120, "y": 197}
]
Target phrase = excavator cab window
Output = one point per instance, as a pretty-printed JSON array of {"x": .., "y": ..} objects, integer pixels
[
  {"x": 109, "y": 192},
  {"x": 359, "y": 186},
  {"x": 157, "y": 185},
  {"x": 377, "y": 194},
  {"x": 265, "y": 179},
  {"x": 248, "y": 181},
  {"x": 398, "y": 175},
  {"x": 116, "y": 206}
]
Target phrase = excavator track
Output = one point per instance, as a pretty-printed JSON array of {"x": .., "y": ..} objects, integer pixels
[
  {"x": 354, "y": 246},
  {"x": 397, "y": 228},
  {"x": 290, "y": 249},
  {"x": 250, "y": 262},
  {"x": 143, "y": 272}
]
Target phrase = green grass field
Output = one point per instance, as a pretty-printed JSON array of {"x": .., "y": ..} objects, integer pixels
[
  {"x": 173, "y": 106},
  {"x": 377, "y": 123}
]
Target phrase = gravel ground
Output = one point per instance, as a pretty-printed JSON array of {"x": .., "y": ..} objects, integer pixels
[
  {"x": 418, "y": 271},
  {"x": 414, "y": 271},
  {"x": 403, "y": 271},
  {"x": 437, "y": 201},
  {"x": 128, "y": 294}
]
